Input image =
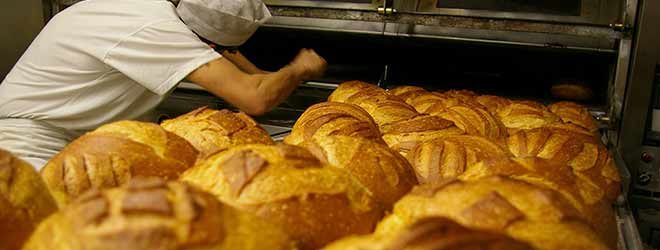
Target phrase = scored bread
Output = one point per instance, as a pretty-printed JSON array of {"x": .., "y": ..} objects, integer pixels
[
  {"x": 110, "y": 155},
  {"x": 574, "y": 113},
  {"x": 402, "y": 136},
  {"x": 521, "y": 115},
  {"x": 473, "y": 119}
]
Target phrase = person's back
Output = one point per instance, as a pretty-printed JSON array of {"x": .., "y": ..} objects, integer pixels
[{"x": 96, "y": 62}]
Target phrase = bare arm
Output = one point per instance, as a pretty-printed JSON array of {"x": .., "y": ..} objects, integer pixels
[
  {"x": 256, "y": 94},
  {"x": 242, "y": 62}
]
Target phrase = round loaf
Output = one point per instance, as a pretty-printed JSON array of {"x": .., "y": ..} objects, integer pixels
[
  {"x": 591, "y": 161},
  {"x": 386, "y": 174},
  {"x": 153, "y": 214},
  {"x": 558, "y": 177},
  {"x": 525, "y": 115},
  {"x": 473, "y": 119},
  {"x": 531, "y": 214},
  {"x": 432, "y": 233},
  {"x": 288, "y": 185},
  {"x": 423, "y": 100},
  {"x": 210, "y": 131},
  {"x": 24, "y": 201},
  {"x": 450, "y": 156},
  {"x": 574, "y": 113},
  {"x": 383, "y": 107},
  {"x": 462, "y": 94},
  {"x": 110, "y": 155},
  {"x": 402, "y": 136},
  {"x": 494, "y": 104},
  {"x": 333, "y": 118},
  {"x": 572, "y": 91}
]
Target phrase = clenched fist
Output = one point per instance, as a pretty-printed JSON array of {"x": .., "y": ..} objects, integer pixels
[{"x": 309, "y": 64}]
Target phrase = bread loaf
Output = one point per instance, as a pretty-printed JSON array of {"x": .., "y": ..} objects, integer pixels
[
  {"x": 290, "y": 187},
  {"x": 385, "y": 173},
  {"x": 572, "y": 91},
  {"x": 153, "y": 214},
  {"x": 432, "y": 233},
  {"x": 535, "y": 215},
  {"x": 573, "y": 113},
  {"x": 383, "y": 107},
  {"x": 112, "y": 154},
  {"x": 472, "y": 119},
  {"x": 333, "y": 118},
  {"x": 591, "y": 161},
  {"x": 24, "y": 201},
  {"x": 558, "y": 177},
  {"x": 402, "y": 136},
  {"x": 494, "y": 104},
  {"x": 210, "y": 131},
  {"x": 423, "y": 100},
  {"x": 525, "y": 115},
  {"x": 450, "y": 156},
  {"x": 462, "y": 94}
]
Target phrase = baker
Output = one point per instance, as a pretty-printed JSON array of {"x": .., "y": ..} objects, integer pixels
[{"x": 106, "y": 60}]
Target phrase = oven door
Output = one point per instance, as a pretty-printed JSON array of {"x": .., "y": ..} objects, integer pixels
[
  {"x": 333, "y": 4},
  {"x": 595, "y": 12}
]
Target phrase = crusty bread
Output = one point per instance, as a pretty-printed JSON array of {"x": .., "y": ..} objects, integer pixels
[
  {"x": 521, "y": 115},
  {"x": 210, "y": 131},
  {"x": 493, "y": 103},
  {"x": 559, "y": 177},
  {"x": 384, "y": 172},
  {"x": 535, "y": 215},
  {"x": 462, "y": 94},
  {"x": 450, "y": 156},
  {"x": 383, "y": 107},
  {"x": 572, "y": 91},
  {"x": 290, "y": 187},
  {"x": 590, "y": 160},
  {"x": 402, "y": 136},
  {"x": 333, "y": 118},
  {"x": 24, "y": 201},
  {"x": 153, "y": 214},
  {"x": 574, "y": 113},
  {"x": 432, "y": 233},
  {"x": 423, "y": 100},
  {"x": 473, "y": 119},
  {"x": 110, "y": 155}
]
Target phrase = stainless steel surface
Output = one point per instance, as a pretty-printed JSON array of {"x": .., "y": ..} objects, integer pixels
[
  {"x": 356, "y": 5},
  {"x": 363, "y": 27}
]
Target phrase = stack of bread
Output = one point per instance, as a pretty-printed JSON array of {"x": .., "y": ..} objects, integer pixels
[{"x": 372, "y": 169}]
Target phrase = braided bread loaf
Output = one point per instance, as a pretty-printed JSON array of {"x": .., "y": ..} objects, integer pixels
[
  {"x": 384, "y": 172},
  {"x": 538, "y": 216},
  {"x": 24, "y": 201},
  {"x": 110, "y": 155},
  {"x": 333, "y": 118},
  {"x": 153, "y": 214},
  {"x": 289, "y": 186},
  {"x": 210, "y": 131},
  {"x": 573, "y": 113},
  {"x": 432, "y": 233}
]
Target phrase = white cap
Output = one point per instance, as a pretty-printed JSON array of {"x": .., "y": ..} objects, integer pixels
[{"x": 225, "y": 22}]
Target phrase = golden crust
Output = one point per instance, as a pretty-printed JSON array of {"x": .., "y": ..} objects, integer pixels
[
  {"x": 493, "y": 104},
  {"x": 384, "y": 172},
  {"x": 210, "y": 131},
  {"x": 520, "y": 115},
  {"x": 383, "y": 107},
  {"x": 153, "y": 214},
  {"x": 290, "y": 187},
  {"x": 402, "y": 136},
  {"x": 432, "y": 233},
  {"x": 24, "y": 201},
  {"x": 450, "y": 156},
  {"x": 333, "y": 118},
  {"x": 538, "y": 216},
  {"x": 112, "y": 154},
  {"x": 572, "y": 91},
  {"x": 473, "y": 119},
  {"x": 590, "y": 160},
  {"x": 574, "y": 113}
]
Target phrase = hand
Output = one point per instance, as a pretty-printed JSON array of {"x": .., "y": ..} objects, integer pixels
[{"x": 309, "y": 64}]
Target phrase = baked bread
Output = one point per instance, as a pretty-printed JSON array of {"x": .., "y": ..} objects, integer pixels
[
  {"x": 333, "y": 118},
  {"x": 24, "y": 201},
  {"x": 402, "y": 136},
  {"x": 153, "y": 214},
  {"x": 288, "y": 185},
  {"x": 383, "y": 107},
  {"x": 462, "y": 94},
  {"x": 386, "y": 174},
  {"x": 494, "y": 104},
  {"x": 574, "y": 113},
  {"x": 572, "y": 91},
  {"x": 210, "y": 131},
  {"x": 525, "y": 115},
  {"x": 432, "y": 233},
  {"x": 531, "y": 214},
  {"x": 110, "y": 155},
  {"x": 558, "y": 177},
  {"x": 472, "y": 119},
  {"x": 450, "y": 156},
  {"x": 423, "y": 100},
  {"x": 590, "y": 160}
]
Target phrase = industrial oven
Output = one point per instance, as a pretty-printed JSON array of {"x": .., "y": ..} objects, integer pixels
[{"x": 514, "y": 48}]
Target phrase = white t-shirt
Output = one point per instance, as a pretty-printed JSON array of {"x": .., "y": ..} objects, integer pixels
[{"x": 100, "y": 61}]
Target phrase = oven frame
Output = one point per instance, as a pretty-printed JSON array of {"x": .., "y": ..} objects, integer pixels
[{"x": 373, "y": 6}]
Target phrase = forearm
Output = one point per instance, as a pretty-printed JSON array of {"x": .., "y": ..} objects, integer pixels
[
  {"x": 276, "y": 87},
  {"x": 242, "y": 62}
]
